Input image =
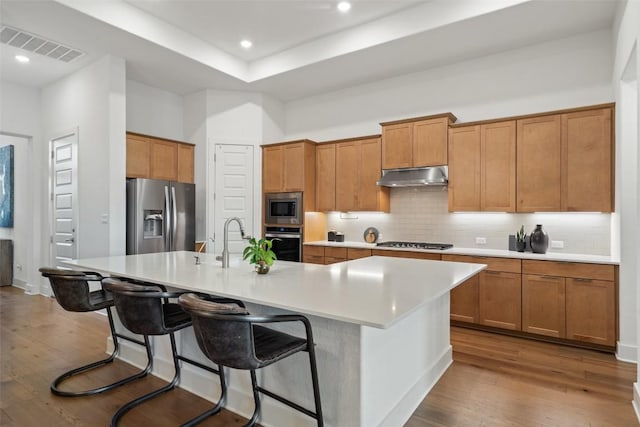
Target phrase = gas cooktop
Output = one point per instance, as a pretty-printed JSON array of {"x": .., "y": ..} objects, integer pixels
[{"x": 416, "y": 245}]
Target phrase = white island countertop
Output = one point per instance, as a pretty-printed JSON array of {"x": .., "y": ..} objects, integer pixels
[{"x": 373, "y": 291}]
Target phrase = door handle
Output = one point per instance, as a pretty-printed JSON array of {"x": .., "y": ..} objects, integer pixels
[{"x": 71, "y": 240}]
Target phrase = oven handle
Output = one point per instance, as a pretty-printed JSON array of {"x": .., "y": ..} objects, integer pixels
[{"x": 282, "y": 235}]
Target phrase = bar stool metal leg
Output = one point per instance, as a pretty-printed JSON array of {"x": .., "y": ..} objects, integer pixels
[{"x": 55, "y": 385}]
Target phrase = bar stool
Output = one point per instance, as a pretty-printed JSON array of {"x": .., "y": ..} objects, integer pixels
[
  {"x": 230, "y": 336},
  {"x": 71, "y": 290},
  {"x": 145, "y": 309}
]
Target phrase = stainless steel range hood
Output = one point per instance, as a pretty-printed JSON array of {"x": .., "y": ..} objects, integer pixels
[{"x": 435, "y": 175}]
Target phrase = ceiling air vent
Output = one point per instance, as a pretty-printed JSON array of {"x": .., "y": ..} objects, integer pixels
[{"x": 40, "y": 45}]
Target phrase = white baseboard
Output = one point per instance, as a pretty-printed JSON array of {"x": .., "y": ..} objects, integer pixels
[
  {"x": 627, "y": 353},
  {"x": 636, "y": 400}
]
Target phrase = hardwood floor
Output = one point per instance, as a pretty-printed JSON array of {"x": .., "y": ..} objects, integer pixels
[{"x": 494, "y": 380}]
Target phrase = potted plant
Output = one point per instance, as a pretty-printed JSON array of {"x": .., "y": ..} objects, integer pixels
[
  {"x": 259, "y": 253},
  {"x": 521, "y": 239}
]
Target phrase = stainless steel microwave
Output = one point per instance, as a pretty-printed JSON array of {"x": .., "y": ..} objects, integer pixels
[{"x": 283, "y": 208}]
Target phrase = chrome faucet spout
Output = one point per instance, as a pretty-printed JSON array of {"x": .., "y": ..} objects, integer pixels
[{"x": 225, "y": 249}]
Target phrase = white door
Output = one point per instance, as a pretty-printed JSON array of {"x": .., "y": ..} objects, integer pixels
[
  {"x": 233, "y": 195},
  {"x": 64, "y": 198}
]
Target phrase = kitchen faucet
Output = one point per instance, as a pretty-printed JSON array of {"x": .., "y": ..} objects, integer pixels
[{"x": 225, "y": 251}]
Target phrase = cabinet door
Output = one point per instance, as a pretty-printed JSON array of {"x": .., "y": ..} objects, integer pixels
[
  {"x": 163, "y": 160},
  {"x": 397, "y": 146},
  {"x": 185, "y": 163},
  {"x": 430, "y": 142},
  {"x": 591, "y": 311},
  {"x": 347, "y": 175},
  {"x": 587, "y": 161},
  {"x": 272, "y": 173},
  {"x": 326, "y": 177},
  {"x": 498, "y": 167},
  {"x": 464, "y": 169},
  {"x": 538, "y": 164},
  {"x": 543, "y": 305},
  {"x": 293, "y": 165},
  {"x": 137, "y": 156},
  {"x": 500, "y": 296},
  {"x": 370, "y": 197},
  {"x": 464, "y": 301},
  {"x": 357, "y": 253}
]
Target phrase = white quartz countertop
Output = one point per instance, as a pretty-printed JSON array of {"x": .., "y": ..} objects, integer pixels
[
  {"x": 373, "y": 291},
  {"x": 549, "y": 256}
]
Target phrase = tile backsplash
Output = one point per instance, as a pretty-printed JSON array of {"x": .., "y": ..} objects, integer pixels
[{"x": 420, "y": 214}]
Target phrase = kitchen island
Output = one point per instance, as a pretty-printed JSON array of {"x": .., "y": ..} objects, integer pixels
[{"x": 381, "y": 327}]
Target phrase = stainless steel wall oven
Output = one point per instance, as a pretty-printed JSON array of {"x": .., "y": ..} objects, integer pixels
[{"x": 287, "y": 242}]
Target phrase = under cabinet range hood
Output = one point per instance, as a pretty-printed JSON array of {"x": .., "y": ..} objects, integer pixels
[{"x": 434, "y": 175}]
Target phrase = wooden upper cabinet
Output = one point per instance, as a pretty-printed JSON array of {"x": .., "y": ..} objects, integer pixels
[
  {"x": 347, "y": 176},
  {"x": 430, "y": 142},
  {"x": 156, "y": 158},
  {"x": 164, "y": 160},
  {"x": 464, "y": 168},
  {"x": 498, "y": 166},
  {"x": 272, "y": 161},
  {"x": 587, "y": 161},
  {"x": 186, "y": 163},
  {"x": 358, "y": 168},
  {"x": 538, "y": 156},
  {"x": 291, "y": 167},
  {"x": 326, "y": 177},
  {"x": 397, "y": 146},
  {"x": 137, "y": 156},
  {"x": 416, "y": 142}
]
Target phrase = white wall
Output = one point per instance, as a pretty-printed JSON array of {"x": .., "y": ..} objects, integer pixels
[
  {"x": 20, "y": 115},
  {"x": 93, "y": 101},
  {"x": 626, "y": 74},
  {"x": 153, "y": 111},
  {"x": 195, "y": 132}
]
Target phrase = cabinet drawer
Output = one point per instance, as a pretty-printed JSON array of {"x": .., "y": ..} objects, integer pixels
[
  {"x": 406, "y": 254},
  {"x": 507, "y": 265},
  {"x": 335, "y": 252},
  {"x": 313, "y": 259},
  {"x": 314, "y": 250},
  {"x": 569, "y": 269},
  {"x": 355, "y": 253},
  {"x": 333, "y": 259}
]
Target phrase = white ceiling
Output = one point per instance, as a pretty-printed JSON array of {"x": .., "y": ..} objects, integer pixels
[{"x": 301, "y": 47}]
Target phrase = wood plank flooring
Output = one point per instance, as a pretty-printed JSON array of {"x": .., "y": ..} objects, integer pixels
[{"x": 494, "y": 380}]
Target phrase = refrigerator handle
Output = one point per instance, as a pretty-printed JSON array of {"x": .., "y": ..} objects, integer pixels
[
  {"x": 167, "y": 220},
  {"x": 174, "y": 219}
]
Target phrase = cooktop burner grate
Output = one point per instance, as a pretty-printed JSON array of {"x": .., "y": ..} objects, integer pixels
[{"x": 416, "y": 245}]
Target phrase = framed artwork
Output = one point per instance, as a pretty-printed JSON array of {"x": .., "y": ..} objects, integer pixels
[{"x": 6, "y": 186}]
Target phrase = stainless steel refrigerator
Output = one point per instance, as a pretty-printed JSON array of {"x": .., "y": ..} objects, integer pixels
[{"x": 161, "y": 216}]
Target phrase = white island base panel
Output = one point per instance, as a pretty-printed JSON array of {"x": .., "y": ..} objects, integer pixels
[{"x": 368, "y": 376}]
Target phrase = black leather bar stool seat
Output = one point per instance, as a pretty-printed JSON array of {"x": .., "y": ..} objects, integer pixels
[
  {"x": 145, "y": 309},
  {"x": 72, "y": 292},
  {"x": 230, "y": 336}
]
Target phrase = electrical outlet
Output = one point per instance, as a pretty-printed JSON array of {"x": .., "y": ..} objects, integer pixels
[
  {"x": 557, "y": 244},
  {"x": 481, "y": 240},
  {"x": 104, "y": 218},
  {"x": 19, "y": 267}
]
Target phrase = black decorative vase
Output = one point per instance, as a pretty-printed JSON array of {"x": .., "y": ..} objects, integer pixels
[{"x": 539, "y": 240}]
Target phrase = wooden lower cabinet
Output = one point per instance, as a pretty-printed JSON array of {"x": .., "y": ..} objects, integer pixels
[
  {"x": 406, "y": 254},
  {"x": 313, "y": 254},
  {"x": 543, "y": 305},
  {"x": 591, "y": 311},
  {"x": 357, "y": 253},
  {"x": 464, "y": 301},
  {"x": 500, "y": 296}
]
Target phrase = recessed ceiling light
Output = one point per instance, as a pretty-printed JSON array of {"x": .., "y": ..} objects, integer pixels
[
  {"x": 22, "y": 58},
  {"x": 246, "y": 44},
  {"x": 344, "y": 6}
]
